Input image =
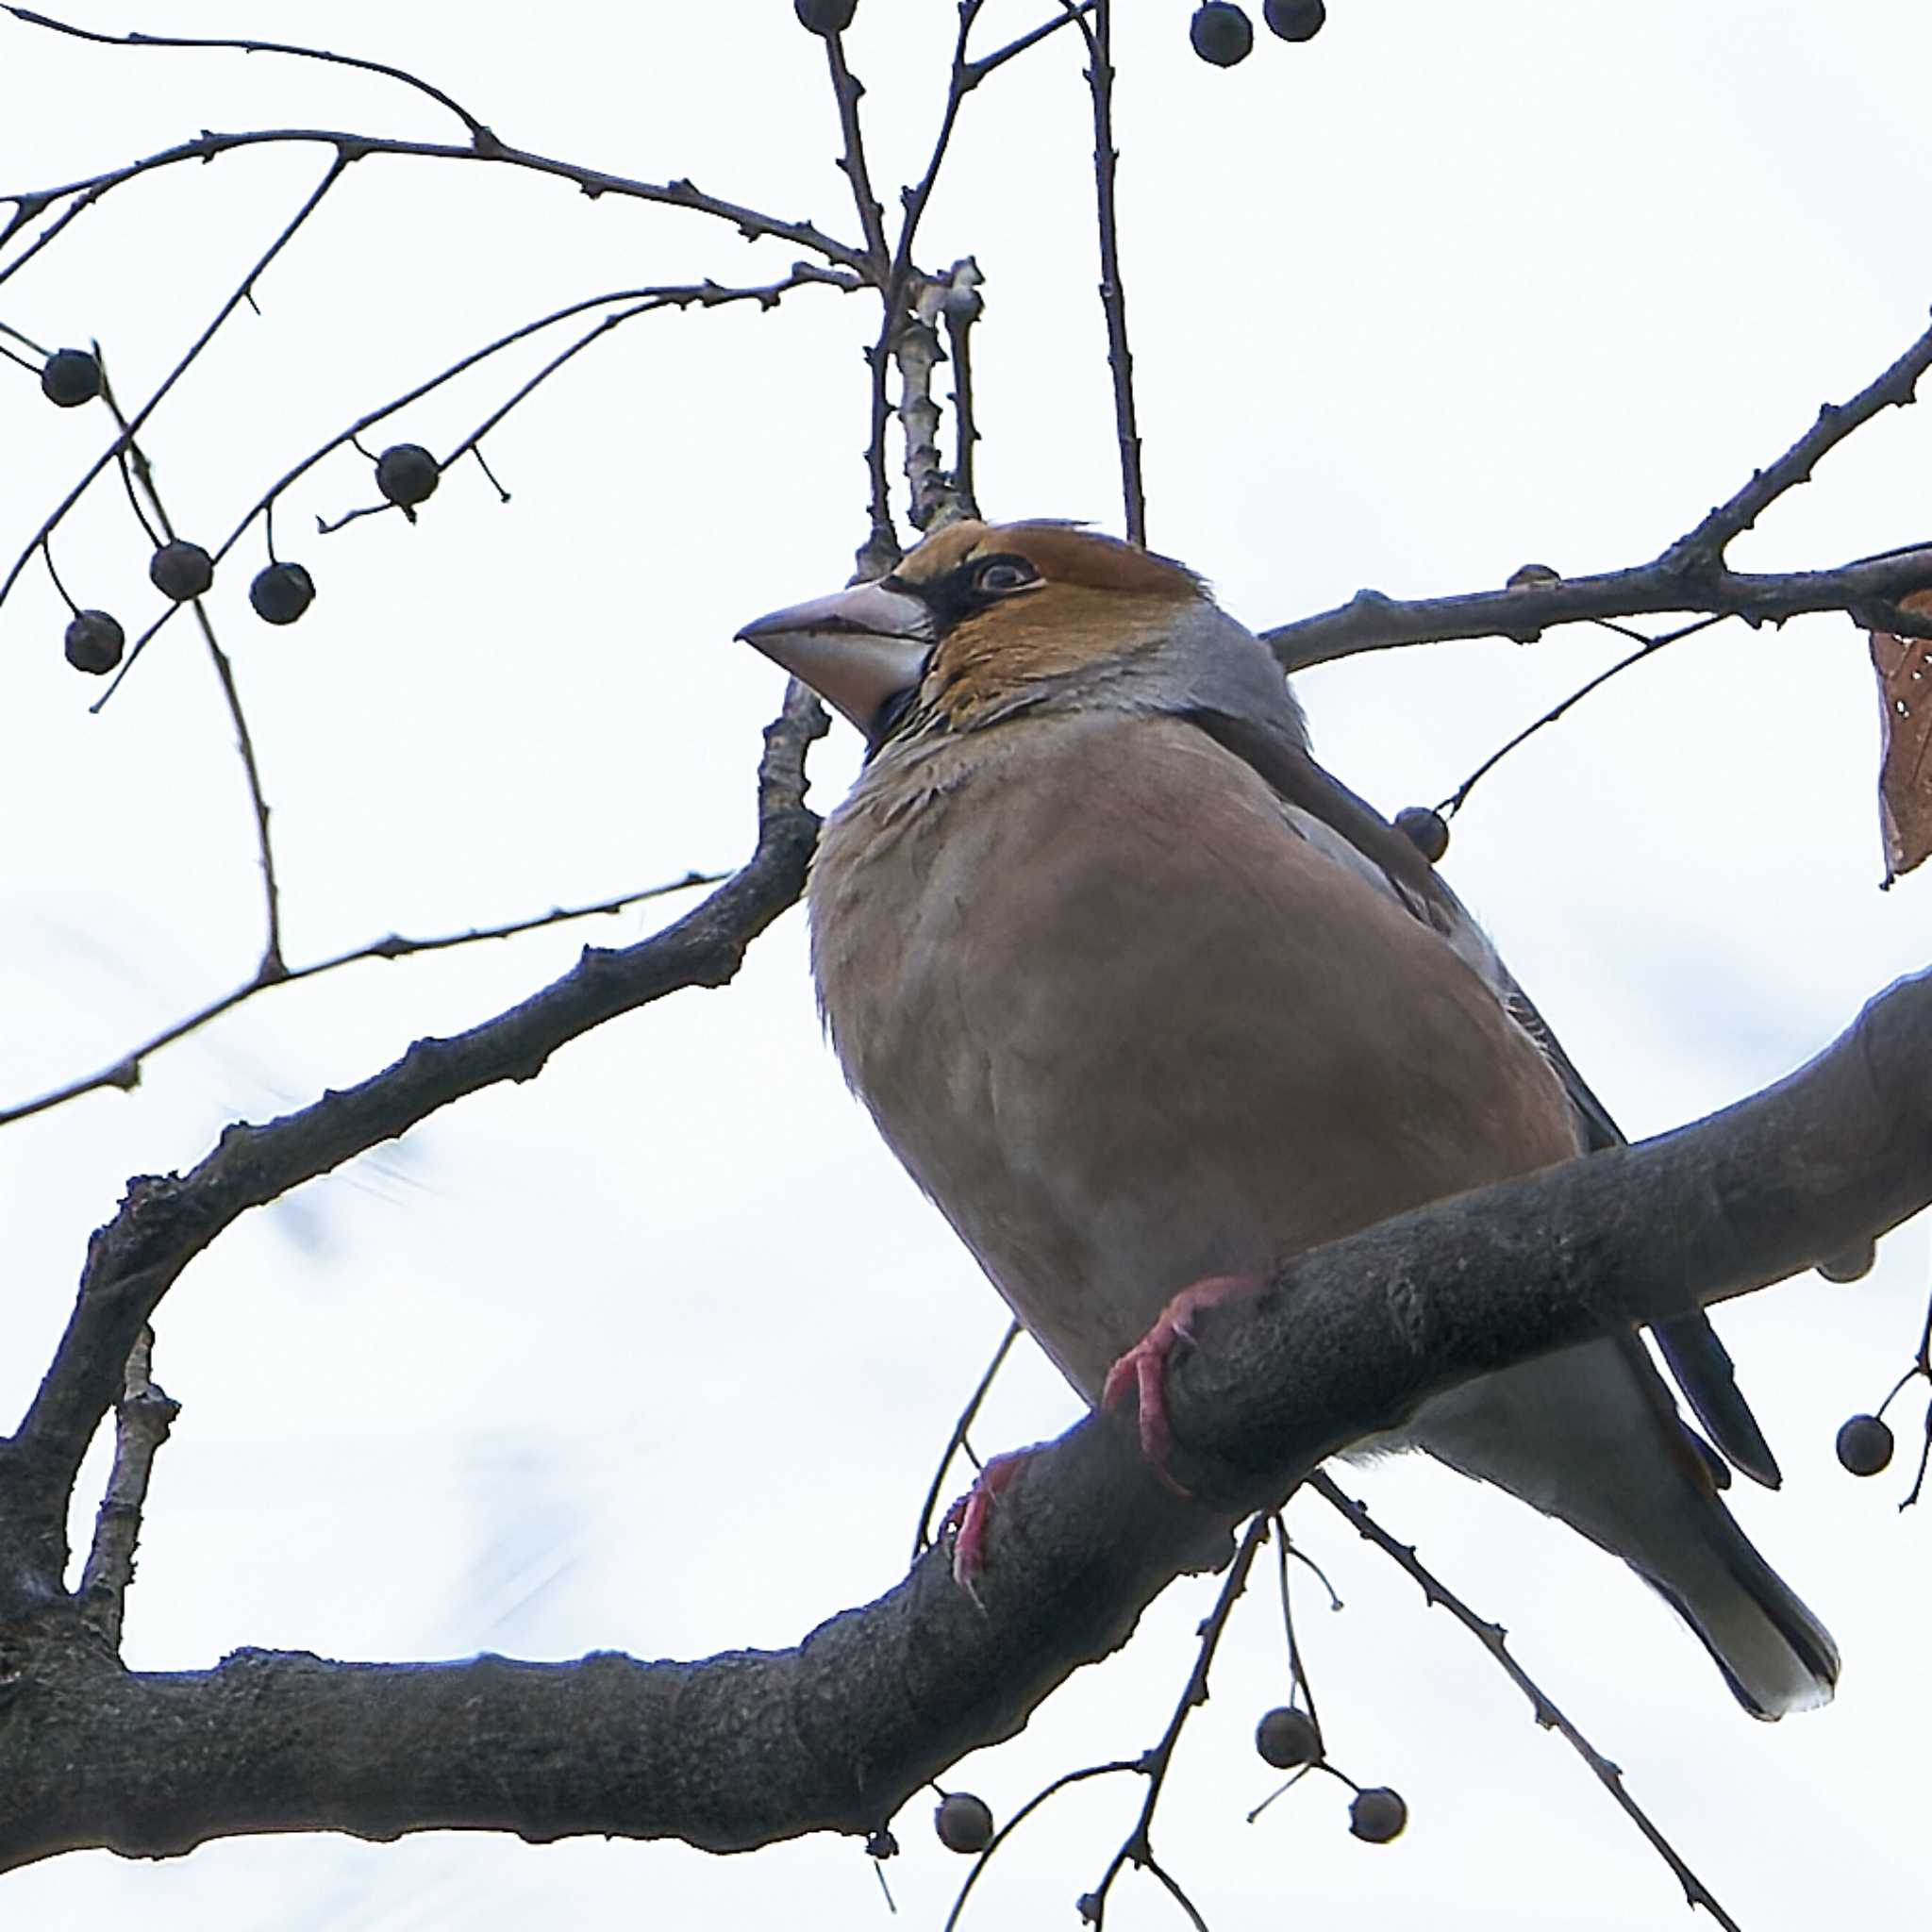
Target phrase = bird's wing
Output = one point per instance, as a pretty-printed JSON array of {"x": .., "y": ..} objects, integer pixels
[{"x": 1698, "y": 1360}]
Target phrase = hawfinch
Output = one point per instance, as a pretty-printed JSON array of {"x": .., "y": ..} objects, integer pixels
[{"x": 1144, "y": 998}]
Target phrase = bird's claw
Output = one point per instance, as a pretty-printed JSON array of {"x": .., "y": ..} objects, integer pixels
[
  {"x": 1144, "y": 1368},
  {"x": 967, "y": 1518}
]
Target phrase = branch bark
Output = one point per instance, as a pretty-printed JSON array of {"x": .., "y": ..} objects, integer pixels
[
  {"x": 1868, "y": 591},
  {"x": 750, "y": 1747}
]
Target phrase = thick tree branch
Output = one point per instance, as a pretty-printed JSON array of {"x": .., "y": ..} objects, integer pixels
[{"x": 750, "y": 1747}]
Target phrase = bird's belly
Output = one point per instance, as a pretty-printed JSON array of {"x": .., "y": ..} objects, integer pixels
[{"x": 1189, "y": 1046}]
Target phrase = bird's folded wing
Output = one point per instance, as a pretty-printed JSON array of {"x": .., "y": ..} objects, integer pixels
[{"x": 1698, "y": 1360}]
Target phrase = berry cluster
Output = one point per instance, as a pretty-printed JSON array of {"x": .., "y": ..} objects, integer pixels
[
  {"x": 1291, "y": 1739},
  {"x": 1223, "y": 33}
]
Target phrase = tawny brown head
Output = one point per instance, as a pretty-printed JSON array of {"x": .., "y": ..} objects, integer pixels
[{"x": 974, "y": 619}]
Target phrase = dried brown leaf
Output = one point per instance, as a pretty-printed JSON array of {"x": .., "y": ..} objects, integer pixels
[{"x": 1905, "y": 773}]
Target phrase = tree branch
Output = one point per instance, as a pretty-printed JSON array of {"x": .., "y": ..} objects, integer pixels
[
  {"x": 142, "y": 1417},
  {"x": 478, "y": 130},
  {"x": 751, "y": 1747},
  {"x": 1867, "y": 590},
  {"x": 1690, "y": 575},
  {"x": 165, "y": 1221},
  {"x": 125, "y": 1073}
]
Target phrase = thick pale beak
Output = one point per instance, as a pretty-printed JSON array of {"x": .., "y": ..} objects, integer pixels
[{"x": 858, "y": 649}]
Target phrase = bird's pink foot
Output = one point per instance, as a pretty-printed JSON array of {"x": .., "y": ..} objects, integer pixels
[
  {"x": 1144, "y": 1368},
  {"x": 967, "y": 1518}
]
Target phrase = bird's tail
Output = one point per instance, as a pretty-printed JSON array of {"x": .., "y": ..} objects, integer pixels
[
  {"x": 1590, "y": 1434},
  {"x": 1776, "y": 1655}
]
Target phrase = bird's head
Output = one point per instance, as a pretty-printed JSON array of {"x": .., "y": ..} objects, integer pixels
[{"x": 983, "y": 620}]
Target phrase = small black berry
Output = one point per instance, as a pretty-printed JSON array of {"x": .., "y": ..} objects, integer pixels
[
  {"x": 181, "y": 570},
  {"x": 825, "y": 17},
  {"x": 1864, "y": 1445},
  {"x": 964, "y": 1823},
  {"x": 281, "y": 593},
  {"x": 70, "y": 377},
  {"x": 407, "y": 475},
  {"x": 1288, "y": 1737},
  {"x": 1221, "y": 33},
  {"x": 1377, "y": 1815},
  {"x": 1294, "y": 20},
  {"x": 95, "y": 643},
  {"x": 1426, "y": 830}
]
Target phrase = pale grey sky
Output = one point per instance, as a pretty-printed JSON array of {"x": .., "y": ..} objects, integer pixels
[{"x": 655, "y": 1352}]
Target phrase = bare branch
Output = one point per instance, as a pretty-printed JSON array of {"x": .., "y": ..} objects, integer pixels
[
  {"x": 478, "y": 132},
  {"x": 165, "y": 1221},
  {"x": 1689, "y": 575},
  {"x": 1021, "y": 1816},
  {"x": 961, "y": 309},
  {"x": 1867, "y": 591},
  {"x": 142, "y": 1417},
  {"x": 1646, "y": 647},
  {"x": 288, "y": 234},
  {"x": 594, "y": 182},
  {"x": 1137, "y": 1847},
  {"x": 846, "y": 88},
  {"x": 1493, "y": 1639},
  {"x": 1704, "y": 547},
  {"x": 917, "y": 352},
  {"x": 125, "y": 1073},
  {"x": 977, "y": 71},
  {"x": 646, "y": 301},
  {"x": 921, "y": 1537},
  {"x": 135, "y": 468},
  {"x": 1113, "y": 293}
]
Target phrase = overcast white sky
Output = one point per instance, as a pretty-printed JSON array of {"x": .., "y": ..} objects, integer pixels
[{"x": 655, "y": 1353}]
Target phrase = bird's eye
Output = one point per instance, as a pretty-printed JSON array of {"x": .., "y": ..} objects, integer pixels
[{"x": 999, "y": 575}]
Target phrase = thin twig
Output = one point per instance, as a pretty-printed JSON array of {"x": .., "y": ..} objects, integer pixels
[
  {"x": 165, "y": 1222},
  {"x": 707, "y": 294},
  {"x": 1113, "y": 293},
  {"x": 1493, "y": 1639},
  {"x": 142, "y": 1417},
  {"x": 1704, "y": 547},
  {"x": 1298, "y": 1684},
  {"x": 1647, "y": 647},
  {"x": 592, "y": 182},
  {"x": 135, "y": 467},
  {"x": 978, "y": 69},
  {"x": 125, "y": 1072},
  {"x": 921, "y": 1537},
  {"x": 1137, "y": 1848},
  {"x": 960, "y": 80},
  {"x": 846, "y": 90},
  {"x": 234, "y": 301},
  {"x": 1021, "y": 1816},
  {"x": 478, "y": 130},
  {"x": 1156, "y": 1870}
]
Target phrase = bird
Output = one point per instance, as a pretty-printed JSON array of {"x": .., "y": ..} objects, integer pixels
[{"x": 1146, "y": 1001}]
